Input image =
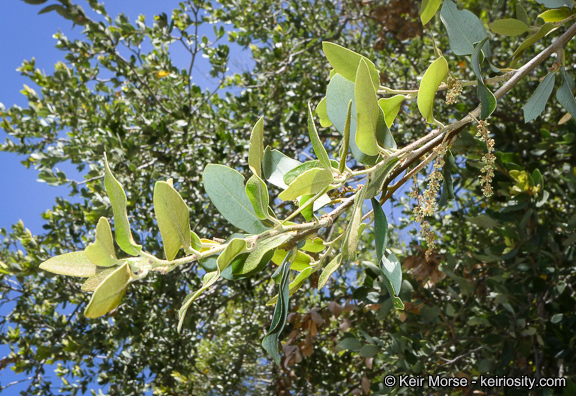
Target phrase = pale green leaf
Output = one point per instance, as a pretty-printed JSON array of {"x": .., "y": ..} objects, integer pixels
[
  {"x": 258, "y": 195},
  {"x": 101, "y": 252},
  {"x": 537, "y": 102},
  {"x": 350, "y": 241},
  {"x": 225, "y": 187},
  {"x": 556, "y": 3},
  {"x": 391, "y": 107},
  {"x": 108, "y": 295},
  {"x": 367, "y": 111},
  {"x": 95, "y": 280},
  {"x": 555, "y": 15},
  {"x": 428, "y": 9},
  {"x": 235, "y": 247},
  {"x": 293, "y": 174},
  {"x": 71, "y": 264},
  {"x": 118, "y": 200},
  {"x": 256, "y": 151},
  {"x": 345, "y": 62},
  {"x": 339, "y": 93},
  {"x": 464, "y": 29},
  {"x": 208, "y": 280},
  {"x": 508, "y": 27},
  {"x": 329, "y": 270},
  {"x": 321, "y": 111},
  {"x": 301, "y": 261},
  {"x": 255, "y": 257},
  {"x": 275, "y": 165},
  {"x": 173, "y": 218},
  {"x": 392, "y": 271},
  {"x": 310, "y": 182},
  {"x": 531, "y": 40},
  {"x": 319, "y": 149},
  {"x": 315, "y": 245},
  {"x": 432, "y": 79}
]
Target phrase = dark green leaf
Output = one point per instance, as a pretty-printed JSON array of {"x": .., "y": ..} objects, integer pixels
[
  {"x": 487, "y": 99},
  {"x": 350, "y": 344},
  {"x": 380, "y": 229},
  {"x": 564, "y": 94},
  {"x": 275, "y": 165},
  {"x": 377, "y": 178},
  {"x": 447, "y": 186},
  {"x": 537, "y": 102},
  {"x": 368, "y": 351},
  {"x": 392, "y": 271},
  {"x": 464, "y": 29},
  {"x": 544, "y": 30},
  {"x": 208, "y": 280}
]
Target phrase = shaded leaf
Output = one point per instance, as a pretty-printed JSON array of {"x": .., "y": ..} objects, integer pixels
[
  {"x": 96, "y": 280},
  {"x": 380, "y": 229},
  {"x": 487, "y": 99},
  {"x": 368, "y": 351},
  {"x": 464, "y": 29},
  {"x": 108, "y": 295},
  {"x": 544, "y": 30},
  {"x": 432, "y": 79},
  {"x": 208, "y": 280},
  {"x": 257, "y": 254},
  {"x": 351, "y": 237},
  {"x": 349, "y": 344},
  {"x": 118, "y": 200},
  {"x": 447, "y": 185},
  {"x": 101, "y": 252},
  {"x": 556, "y": 3},
  {"x": 275, "y": 165},
  {"x": 564, "y": 94},
  {"x": 295, "y": 284},
  {"x": 392, "y": 271},
  {"x": 225, "y": 187},
  {"x": 377, "y": 178},
  {"x": 71, "y": 264},
  {"x": 521, "y": 13},
  {"x": 173, "y": 218},
  {"x": 345, "y": 139},
  {"x": 537, "y": 102},
  {"x": 235, "y": 247},
  {"x": 310, "y": 182}
]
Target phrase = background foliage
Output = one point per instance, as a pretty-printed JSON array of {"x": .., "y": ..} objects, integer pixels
[{"x": 497, "y": 298}]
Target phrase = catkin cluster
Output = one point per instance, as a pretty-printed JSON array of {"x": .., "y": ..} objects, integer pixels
[
  {"x": 427, "y": 204},
  {"x": 488, "y": 158},
  {"x": 454, "y": 89}
]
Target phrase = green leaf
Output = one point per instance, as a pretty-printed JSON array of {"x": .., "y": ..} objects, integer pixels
[
  {"x": 225, "y": 187},
  {"x": 308, "y": 212},
  {"x": 345, "y": 140},
  {"x": 392, "y": 271},
  {"x": 53, "y": 7},
  {"x": 368, "y": 351},
  {"x": 315, "y": 245},
  {"x": 173, "y": 218},
  {"x": 487, "y": 99},
  {"x": 377, "y": 178},
  {"x": 275, "y": 165},
  {"x": 329, "y": 270},
  {"x": 235, "y": 247},
  {"x": 35, "y": 2},
  {"x": 256, "y": 151},
  {"x": 508, "y": 27},
  {"x": 429, "y": 85},
  {"x": 484, "y": 221},
  {"x": 316, "y": 142},
  {"x": 521, "y": 14},
  {"x": 309, "y": 182},
  {"x": 301, "y": 261},
  {"x": 195, "y": 241},
  {"x": 351, "y": 237},
  {"x": 71, "y": 264},
  {"x": 295, "y": 284},
  {"x": 544, "y": 30},
  {"x": 258, "y": 195},
  {"x": 349, "y": 344},
  {"x": 380, "y": 229},
  {"x": 564, "y": 94},
  {"x": 464, "y": 29},
  {"x": 345, "y": 62},
  {"x": 293, "y": 174},
  {"x": 101, "y": 252},
  {"x": 208, "y": 280},
  {"x": 556, "y": 3},
  {"x": 428, "y": 9},
  {"x": 447, "y": 186},
  {"x": 270, "y": 341},
  {"x": 108, "y": 295},
  {"x": 118, "y": 200},
  {"x": 367, "y": 111},
  {"x": 391, "y": 107},
  {"x": 339, "y": 93},
  {"x": 257, "y": 254},
  {"x": 321, "y": 111},
  {"x": 537, "y": 102},
  {"x": 556, "y": 15},
  {"x": 96, "y": 280}
]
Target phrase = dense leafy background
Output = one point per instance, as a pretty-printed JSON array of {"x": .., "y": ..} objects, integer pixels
[{"x": 497, "y": 299}]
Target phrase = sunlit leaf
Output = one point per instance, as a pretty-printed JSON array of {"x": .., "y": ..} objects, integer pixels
[
  {"x": 555, "y": 15},
  {"x": 258, "y": 195},
  {"x": 367, "y": 111},
  {"x": 428, "y": 9},
  {"x": 316, "y": 142},
  {"x": 118, "y": 200},
  {"x": 257, "y": 254},
  {"x": 391, "y": 107},
  {"x": 101, "y": 252},
  {"x": 256, "y": 151},
  {"x": 293, "y": 174},
  {"x": 310, "y": 182},
  {"x": 301, "y": 261},
  {"x": 172, "y": 215},
  {"x": 71, "y": 264},
  {"x": 96, "y": 280},
  {"x": 432, "y": 79},
  {"x": 345, "y": 62},
  {"x": 321, "y": 111},
  {"x": 108, "y": 295},
  {"x": 329, "y": 270}
]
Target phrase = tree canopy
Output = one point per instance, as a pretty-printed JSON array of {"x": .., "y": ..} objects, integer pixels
[{"x": 389, "y": 191}]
